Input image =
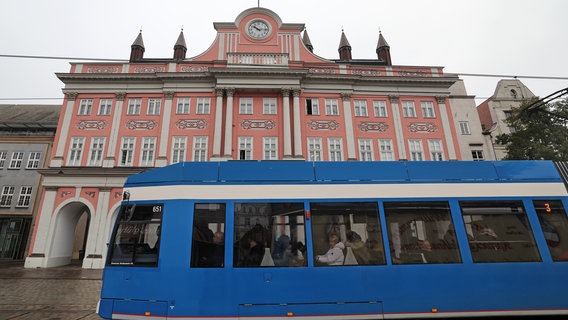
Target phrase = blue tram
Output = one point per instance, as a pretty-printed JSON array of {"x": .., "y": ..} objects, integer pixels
[{"x": 339, "y": 240}]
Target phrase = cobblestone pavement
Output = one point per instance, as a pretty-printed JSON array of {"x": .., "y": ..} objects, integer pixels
[{"x": 62, "y": 293}]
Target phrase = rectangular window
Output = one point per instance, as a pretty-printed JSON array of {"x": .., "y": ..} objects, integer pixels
[
  {"x": 3, "y": 155},
  {"x": 178, "y": 149},
  {"x": 270, "y": 148},
  {"x": 203, "y": 105},
  {"x": 380, "y": 108},
  {"x": 147, "y": 152},
  {"x": 464, "y": 128},
  {"x": 24, "y": 198},
  {"x": 16, "y": 161},
  {"x": 127, "y": 151},
  {"x": 408, "y": 110},
  {"x": 386, "y": 150},
  {"x": 360, "y": 108},
  {"x": 346, "y": 233},
  {"x": 498, "y": 231},
  {"x": 314, "y": 149},
  {"x": 154, "y": 107},
  {"x": 137, "y": 238},
  {"x": 182, "y": 106},
  {"x": 76, "y": 151},
  {"x": 335, "y": 149},
  {"x": 269, "y": 105},
  {"x": 269, "y": 235},
  {"x": 427, "y": 109},
  {"x": 105, "y": 106},
  {"x": 6, "y": 196},
  {"x": 312, "y": 107},
  {"x": 436, "y": 150},
  {"x": 33, "y": 160},
  {"x": 554, "y": 225},
  {"x": 85, "y": 107},
  {"x": 421, "y": 232},
  {"x": 477, "y": 155},
  {"x": 245, "y": 106},
  {"x": 134, "y": 106},
  {"x": 245, "y": 148},
  {"x": 331, "y": 107},
  {"x": 365, "y": 150},
  {"x": 416, "y": 150},
  {"x": 199, "y": 148},
  {"x": 96, "y": 153},
  {"x": 208, "y": 239}
]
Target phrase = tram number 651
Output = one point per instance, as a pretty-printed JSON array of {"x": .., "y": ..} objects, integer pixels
[{"x": 157, "y": 209}]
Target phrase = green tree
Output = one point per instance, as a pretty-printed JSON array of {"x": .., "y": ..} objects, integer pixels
[{"x": 538, "y": 134}]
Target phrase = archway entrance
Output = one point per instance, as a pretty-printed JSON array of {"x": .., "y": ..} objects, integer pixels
[{"x": 70, "y": 235}]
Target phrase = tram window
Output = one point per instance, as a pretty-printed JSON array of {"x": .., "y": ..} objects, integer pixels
[
  {"x": 499, "y": 231},
  {"x": 137, "y": 237},
  {"x": 269, "y": 235},
  {"x": 554, "y": 224},
  {"x": 208, "y": 236},
  {"x": 353, "y": 228},
  {"x": 421, "y": 232}
]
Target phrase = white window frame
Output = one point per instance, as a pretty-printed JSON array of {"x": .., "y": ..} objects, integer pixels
[
  {"x": 270, "y": 148},
  {"x": 380, "y": 108},
  {"x": 464, "y": 128},
  {"x": 33, "y": 160},
  {"x": 408, "y": 109},
  {"x": 335, "y": 149},
  {"x": 76, "y": 151},
  {"x": 427, "y": 109},
  {"x": 3, "y": 155},
  {"x": 203, "y": 105},
  {"x": 179, "y": 147},
  {"x": 154, "y": 106},
  {"x": 183, "y": 105},
  {"x": 25, "y": 197},
  {"x": 269, "y": 105},
  {"x": 477, "y": 155},
  {"x": 386, "y": 150},
  {"x": 436, "y": 150},
  {"x": 134, "y": 105},
  {"x": 360, "y": 107},
  {"x": 6, "y": 196},
  {"x": 416, "y": 150},
  {"x": 96, "y": 151},
  {"x": 147, "y": 151},
  {"x": 85, "y": 106},
  {"x": 16, "y": 160},
  {"x": 331, "y": 107},
  {"x": 313, "y": 108},
  {"x": 127, "y": 149},
  {"x": 246, "y": 148},
  {"x": 200, "y": 148},
  {"x": 105, "y": 106},
  {"x": 314, "y": 149},
  {"x": 366, "y": 150},
  {"x": 246, "y": 105}
]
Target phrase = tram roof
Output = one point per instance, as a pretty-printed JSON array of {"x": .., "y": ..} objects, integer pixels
[{"x": 287, "y": 172}]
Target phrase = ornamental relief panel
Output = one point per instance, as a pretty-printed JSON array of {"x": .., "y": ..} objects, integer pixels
[
  {"x": 258, "y": 124},
  {"x": 362, "y": 72},
  {"x": 91, "y": 124},
  {"x": 149, "y": 69},
  {"x": 373, "y": 126},
  {"x": 323, "y": 125},
  {"x": 102, "y": 70},
  {"x": 141, "y": 124},
  {"x": 191, "y": 124},
  {"x": 322, "y": 71},
  {"x": 422, "y": 127},
  {"x": 194, "y": 69}
]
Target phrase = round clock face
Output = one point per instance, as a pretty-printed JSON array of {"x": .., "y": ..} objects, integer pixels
[{"x": 258, "y": 29}]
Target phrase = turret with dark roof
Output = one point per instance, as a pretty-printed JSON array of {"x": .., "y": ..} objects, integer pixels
[
  {"x": 383, "y": 50},
  {"x": 137, "y": 49},
  {"x": 344, "y": 48},
  {"x": 180, "y": 48},
  {"x": 307, "y": 42}
]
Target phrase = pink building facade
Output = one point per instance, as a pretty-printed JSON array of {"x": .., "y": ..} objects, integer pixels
[{"x": 258, "y": 93}]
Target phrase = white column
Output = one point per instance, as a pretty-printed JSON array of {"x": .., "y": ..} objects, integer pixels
[
  {"x": 57, "y": 160},
  {"x": 446, "y": 127},
  {"x": 38, "y": 246},
  {"x": 398, "y": 128},
  {"x": 297, "y": 126},
  {"x": 229, "y": 125},
  {"x": 218, "y": 125},
  {"x": 287, "y": 124},
  {"x": 351, "y": 153},
  {"x": 110, "y": 160},
  {"x": 162, "y": 159},
  {"x": 96, "y": 241}
]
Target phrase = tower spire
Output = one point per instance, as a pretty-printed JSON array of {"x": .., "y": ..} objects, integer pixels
[
  {"x": 344, "y": 47},
  {"x": 180, "y": 48},
  {"x": 307, "y": 42},
  {"x": 137, "y": 49},
  {"x": 383, "y": 50}
]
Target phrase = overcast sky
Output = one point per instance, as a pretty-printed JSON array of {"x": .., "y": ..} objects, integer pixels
[{"x": 503, "y": 37}]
